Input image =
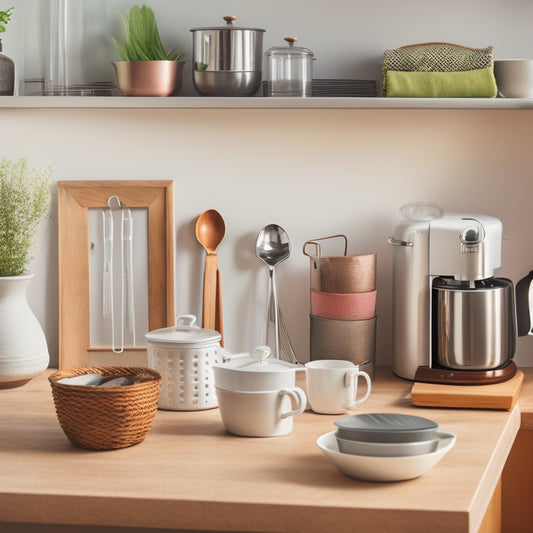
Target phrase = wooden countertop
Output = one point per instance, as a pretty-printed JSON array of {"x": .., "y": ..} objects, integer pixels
[{"x": 189, "y": 474}]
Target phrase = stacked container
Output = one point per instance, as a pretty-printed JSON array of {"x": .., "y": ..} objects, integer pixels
[{"x": 343, "y": 305}]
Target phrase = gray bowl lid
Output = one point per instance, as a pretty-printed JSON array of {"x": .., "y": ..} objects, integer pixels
[{"x": 386, "y": 422}]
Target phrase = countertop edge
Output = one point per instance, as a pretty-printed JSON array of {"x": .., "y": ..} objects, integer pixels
[{"x": 494, "y": 470}]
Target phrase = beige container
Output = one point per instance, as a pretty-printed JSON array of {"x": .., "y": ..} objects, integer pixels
[
  {"x": 351, "y": 340},
  {"x": 341, "y": 273},
  {"x": 514, "y": 77}
]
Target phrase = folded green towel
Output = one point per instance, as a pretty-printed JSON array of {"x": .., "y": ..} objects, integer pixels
[{"x": 478, "y": 83}]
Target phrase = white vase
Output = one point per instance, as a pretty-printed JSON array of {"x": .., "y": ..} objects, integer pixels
[{"x": 23, "y": 348}]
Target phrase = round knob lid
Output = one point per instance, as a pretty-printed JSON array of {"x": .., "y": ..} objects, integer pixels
[
  {"x": 291, "y": 40},
  {"x": 291, "y": 50}
]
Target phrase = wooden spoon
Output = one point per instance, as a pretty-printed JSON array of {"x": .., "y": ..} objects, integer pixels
[{"x": 210, "y": 230}]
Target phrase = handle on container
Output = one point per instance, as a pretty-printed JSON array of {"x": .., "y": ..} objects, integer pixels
[
  {"x": 298, "y": 396},
  {"x": 228, "y": 356},
  {"x": 350, "y": 380},
  {"x": 318, "y": 250},
  {"x": 186, "y": 320}
]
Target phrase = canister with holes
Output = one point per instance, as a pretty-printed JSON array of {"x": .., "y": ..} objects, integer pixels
[{"x": 184, "y": 355}]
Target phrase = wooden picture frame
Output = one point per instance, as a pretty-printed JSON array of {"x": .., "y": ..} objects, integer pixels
[{"x": 75, "y": 198}]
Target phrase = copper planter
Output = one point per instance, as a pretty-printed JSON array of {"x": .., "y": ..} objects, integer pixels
[{"x": 149, "y": 78}]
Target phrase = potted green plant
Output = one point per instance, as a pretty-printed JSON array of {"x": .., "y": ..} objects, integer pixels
[
  {"x": 25, "y": 194},
  {"x": 7, "y": 67},
  {"x": 146, "y": 68}
]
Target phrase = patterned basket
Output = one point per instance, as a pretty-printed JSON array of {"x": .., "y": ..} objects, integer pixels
[{"x": 99, "y": 418}]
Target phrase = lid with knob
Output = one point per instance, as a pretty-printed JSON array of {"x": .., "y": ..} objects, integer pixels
[
  {"x": 290, "y": 50},
  {"x": 229, "y": 26}
]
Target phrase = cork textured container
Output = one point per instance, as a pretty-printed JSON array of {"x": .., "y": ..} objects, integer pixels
[
  {"x": 343, "y": 306},
  {"x": 344, "y": 273},
  {"x": 352, "y": 340}
]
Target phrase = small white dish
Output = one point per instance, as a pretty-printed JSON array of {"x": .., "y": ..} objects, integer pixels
[
  {"x": 389, "y": 449},
  {"x": 369, "y": 468}
]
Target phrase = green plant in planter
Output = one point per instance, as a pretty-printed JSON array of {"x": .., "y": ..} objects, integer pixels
[
  {"x": 5, "y": 17},
  {"x": 24, "y": 199},
  {"x": 142, "y": 38}
]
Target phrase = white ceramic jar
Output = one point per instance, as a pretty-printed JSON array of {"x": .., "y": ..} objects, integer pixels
[
  {"x": 257, "y": 394},
  {"x": 185, "y": 355}
]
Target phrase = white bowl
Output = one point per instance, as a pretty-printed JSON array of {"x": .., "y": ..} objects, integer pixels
[
  {"x": 369, "y": 468},
  {"x": 260, "y": 413},
  {"x": 389, "y": 449},
  {"x": 514, "y": 77}
]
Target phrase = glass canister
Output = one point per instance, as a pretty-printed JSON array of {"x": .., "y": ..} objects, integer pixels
[
  {"x": 68, "y": 48},
  {"x": 289, "y": 70}
]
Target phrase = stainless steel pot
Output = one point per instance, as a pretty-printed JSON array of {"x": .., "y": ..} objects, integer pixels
[
  {"x": 227, "y": 60},
  {"x": 474, "y": 328}
]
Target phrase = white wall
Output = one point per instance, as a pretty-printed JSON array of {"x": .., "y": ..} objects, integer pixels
[{"x": 314, "y": 172}]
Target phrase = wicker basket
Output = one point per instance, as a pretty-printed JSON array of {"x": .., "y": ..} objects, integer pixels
[{"x": 99, "y": 418}]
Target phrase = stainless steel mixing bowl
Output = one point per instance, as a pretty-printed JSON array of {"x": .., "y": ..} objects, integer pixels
[{"x": 227, "y": 60}]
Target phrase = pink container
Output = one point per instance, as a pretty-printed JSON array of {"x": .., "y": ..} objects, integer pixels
[{"x": 341, "y": 306}]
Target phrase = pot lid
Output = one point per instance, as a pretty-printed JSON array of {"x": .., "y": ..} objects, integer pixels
[
  {"x": 228, "y": 27},
  {"x": 184, "y": 332},
  {"x": 290, "y": 50},
  {"x": 261, "y": 360}
]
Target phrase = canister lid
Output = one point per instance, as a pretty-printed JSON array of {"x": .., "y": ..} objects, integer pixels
[
  {"x": 184, "y": 332},
  {"x": 259, "y": 361},
  {"x": 228, "y": 27},
  {"x": 290, "y": 50}
]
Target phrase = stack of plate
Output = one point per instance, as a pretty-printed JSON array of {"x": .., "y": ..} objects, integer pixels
[
  {"x": 334, "y": 88},
  {"x": 385, "y": 446}
]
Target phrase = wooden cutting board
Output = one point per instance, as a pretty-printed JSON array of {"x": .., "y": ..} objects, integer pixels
[{"x": 495, "y": 396}]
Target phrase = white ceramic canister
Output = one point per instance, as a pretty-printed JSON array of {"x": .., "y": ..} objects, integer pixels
[
  {"x": 256, "y": 372},
  {"x": 185, "y": 355}
]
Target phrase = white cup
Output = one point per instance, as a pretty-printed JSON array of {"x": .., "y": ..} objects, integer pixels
[
  {"x": 262, "y": 413},
  {"x": 332, "y": 385}
]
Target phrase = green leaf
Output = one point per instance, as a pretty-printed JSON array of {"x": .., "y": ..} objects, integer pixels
[{"x": 143, "y": 42}]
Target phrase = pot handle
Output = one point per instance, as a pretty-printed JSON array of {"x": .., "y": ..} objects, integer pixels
[
  {"x": 298, "y": 396},
  {"x": 317, "y": 246}
]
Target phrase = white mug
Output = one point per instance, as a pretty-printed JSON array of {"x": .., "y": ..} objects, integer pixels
[
  {"x": 332, "y": 385},
  {"x": 261, "y": 413}
]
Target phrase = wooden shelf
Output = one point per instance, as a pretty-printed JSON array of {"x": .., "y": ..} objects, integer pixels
[{"x": 198, "y": 102}]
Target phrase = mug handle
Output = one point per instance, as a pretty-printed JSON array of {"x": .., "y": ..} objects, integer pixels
[
  {"x": 298, "y": 396},
  {"x": 350, "y": 377}
]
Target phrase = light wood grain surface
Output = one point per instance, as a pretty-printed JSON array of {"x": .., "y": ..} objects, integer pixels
[
  {"x": 494, "y": 396},
  {"x": 189, "y": 474}
]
